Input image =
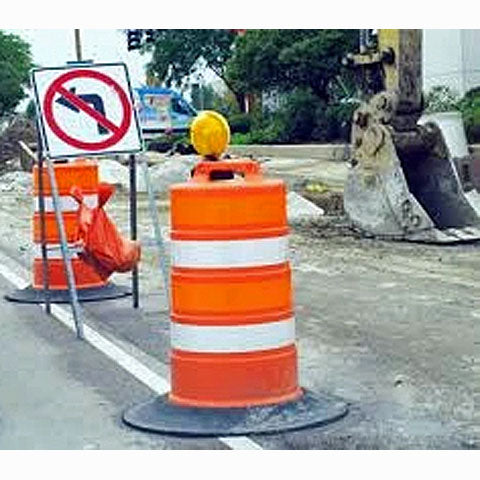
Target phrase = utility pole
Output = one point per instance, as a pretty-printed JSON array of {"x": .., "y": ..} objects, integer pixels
[
  {"x": 78, "y": 45},
  {"x": 202, "y": 99}
]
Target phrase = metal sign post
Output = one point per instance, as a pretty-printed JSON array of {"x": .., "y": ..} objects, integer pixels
[
  {"x": 63, "y": 238},
  {"x": 43, "y": 234},
  {"x": 133, "y": 224},
  {"x": 78, "y": 45},
  {"x": 67, "y": 260}
]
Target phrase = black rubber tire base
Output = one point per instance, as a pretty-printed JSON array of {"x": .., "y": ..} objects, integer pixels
[
  {"x": 32, "y": 295},
  {"x": 160, "y": 416}
]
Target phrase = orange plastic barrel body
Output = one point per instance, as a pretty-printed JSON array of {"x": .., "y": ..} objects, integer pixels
[
  {"x": 84, "y": 174},
  {"x": 232, "y": 325}
]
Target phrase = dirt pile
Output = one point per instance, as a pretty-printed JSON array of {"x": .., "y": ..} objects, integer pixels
[
  {"x": 11, "y": 154},
  {"x": 324, "y": 196}
]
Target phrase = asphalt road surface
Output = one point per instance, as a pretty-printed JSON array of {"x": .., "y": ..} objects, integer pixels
[
  {"x": 391, "y": 328},
  {"x": 58, "y": 392}
]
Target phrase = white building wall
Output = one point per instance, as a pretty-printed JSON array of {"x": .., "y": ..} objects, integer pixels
[
  {"x": 451, "y": 58},
  {"x": 471, "y": 58}
]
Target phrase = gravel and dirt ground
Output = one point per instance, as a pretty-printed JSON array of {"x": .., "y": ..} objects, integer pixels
[{"x": 390, "y": 327}]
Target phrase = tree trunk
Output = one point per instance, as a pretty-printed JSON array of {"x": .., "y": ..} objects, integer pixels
[{"x": 240, "y": 98}]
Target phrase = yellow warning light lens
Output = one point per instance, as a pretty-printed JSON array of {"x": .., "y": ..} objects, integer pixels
[{"x": 210, "y": 133}]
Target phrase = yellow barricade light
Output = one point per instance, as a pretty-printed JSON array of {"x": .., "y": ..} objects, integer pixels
[{"x": 210, "y": 133}]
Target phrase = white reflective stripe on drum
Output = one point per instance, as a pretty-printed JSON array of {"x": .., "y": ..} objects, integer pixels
[
  {"x": 229, "y": 253},
  {"x": 54, "y": 251},
  {"x": 228, "y": 339},
  {"x": 67, "y": 203}
]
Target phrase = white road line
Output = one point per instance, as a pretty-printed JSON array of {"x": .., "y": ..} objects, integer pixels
[
  {"x": 240, "y": 443},
  {"x": 141, "y": 372},
  {"x": 12, "y": 277},
  {"x": 155, "y": 382}
]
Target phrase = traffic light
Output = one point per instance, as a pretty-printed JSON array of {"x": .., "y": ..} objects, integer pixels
[
  {"x": 134, "y": 39},
  {"x": 150, "y": 35}
]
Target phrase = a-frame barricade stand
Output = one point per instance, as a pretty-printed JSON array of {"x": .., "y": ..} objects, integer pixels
[
  {"x": 43, "y": 161},
  {"x": 66, "y": 254},
  {"x": 47, "y": 83},
  {"x": 162, "y": 251}
]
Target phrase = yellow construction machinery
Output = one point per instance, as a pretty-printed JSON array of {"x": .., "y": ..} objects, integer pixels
[{"x": 402, "y": 183}]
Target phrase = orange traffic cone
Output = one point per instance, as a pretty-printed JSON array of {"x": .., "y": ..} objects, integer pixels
[
  {"x": 91, "y": 285},
  {"x": 233, "y": 354}
]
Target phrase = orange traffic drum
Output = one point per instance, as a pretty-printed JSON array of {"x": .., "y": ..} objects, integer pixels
[
  {"x": 232, "y": 329},
  {"x": 81, "y": 172},
  {"x": 233, "y": 355},
  {"x": 89, "y": 282}
]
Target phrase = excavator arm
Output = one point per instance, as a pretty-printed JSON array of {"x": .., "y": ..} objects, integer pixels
[{"x": 402, "y": 183}]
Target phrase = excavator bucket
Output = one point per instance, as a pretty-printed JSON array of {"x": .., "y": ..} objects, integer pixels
[
  {"x": 403, "y": 185},
  {"x": 466, "y": 166}
]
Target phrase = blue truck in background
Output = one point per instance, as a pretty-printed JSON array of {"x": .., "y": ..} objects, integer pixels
[{"x": 162, "y": 110}]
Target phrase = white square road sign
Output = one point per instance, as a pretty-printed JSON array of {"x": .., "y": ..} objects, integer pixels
[{"x": 86, "y": 110}]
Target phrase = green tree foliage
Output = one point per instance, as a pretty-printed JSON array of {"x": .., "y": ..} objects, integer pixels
[
  {"x": 287, "y": 59},
  {"x": 305, "y": 67},
  {"x": 469, "y": 106},
  {"x": 441, "y": 98},
  {"x": 175, "y": 53},
  {"x": 15, "y": 64},
  {"x": 30, "y": 111},
  {"x": 204, "y": 97}
]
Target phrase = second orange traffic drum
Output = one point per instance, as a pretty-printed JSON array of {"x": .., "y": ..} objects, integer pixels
[
  {"x": 84, "y": 174},
  {"x": 89, "y": 282}
]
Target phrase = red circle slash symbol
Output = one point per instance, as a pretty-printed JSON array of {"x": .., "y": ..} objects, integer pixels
[{"x": 118, "y": 132}]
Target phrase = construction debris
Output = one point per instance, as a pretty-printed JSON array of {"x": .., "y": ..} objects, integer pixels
[
  {"x": 162, "y": 175},
  {"x": 18, "y": 182},
  {"x": 173, "y": 170},
  {"x": 299, "y": 209},
  {"x": 113, "y": 172}
]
